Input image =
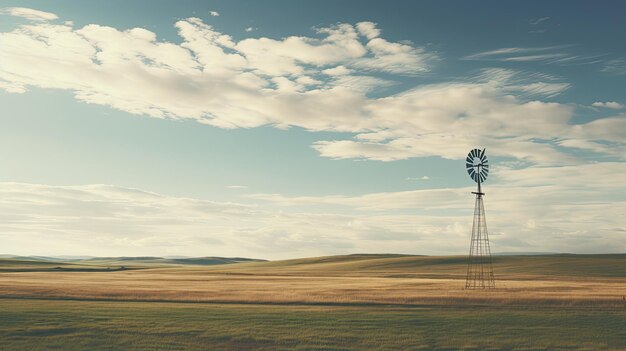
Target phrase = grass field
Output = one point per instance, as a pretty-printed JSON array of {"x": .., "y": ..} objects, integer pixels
[
  {"x": 87, "y": 325},
  {"x": 356, "y": 302}
]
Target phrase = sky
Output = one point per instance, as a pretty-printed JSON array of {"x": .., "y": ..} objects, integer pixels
[{"x": 281, "y": 129}]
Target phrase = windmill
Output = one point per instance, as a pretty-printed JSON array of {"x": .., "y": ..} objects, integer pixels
[{"x": 479, "y": 268}]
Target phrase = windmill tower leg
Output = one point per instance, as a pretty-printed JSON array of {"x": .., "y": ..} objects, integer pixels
[{"x": 479, "y": 267}]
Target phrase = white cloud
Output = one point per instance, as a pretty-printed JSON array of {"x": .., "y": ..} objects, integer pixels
[
  {"x": 503, "y": 52},
  {"x": 111, "y": 221},
  {"x": 237, "y": 187},
  {"x": 608, "y": 104},
  {"x": 537, "y": 21},
  {"x": 395, "y": 58},
  {"x": 447, "y": 120},
  {"x": 542, "y": 57},
  {"x": 603, "y": 149},
  {"x": 571, "y": 208},
  {"x": 30, "y": 14},
  {"x": 206, "y": 77},
  {"x": 615, "y": 66},
  {"x": 569, "y": 212},
  {"x": 250, "y": 29},
  {"x": 548, "y": 54},
  {"x": 214, "y": 13},
  {"x": 418, "y": 178},
  {"x": 324, "y": 82},
  {"x": 368, "y": 29},
  {"x": 337, "y": 71}
]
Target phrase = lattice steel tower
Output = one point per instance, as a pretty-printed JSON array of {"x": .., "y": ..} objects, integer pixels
[{"x": 479, "y": 268}]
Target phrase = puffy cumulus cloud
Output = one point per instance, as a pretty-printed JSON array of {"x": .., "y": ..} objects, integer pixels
[
  {"x": 330, "y": 81},
  {"x": 496, "y": 109},
  {"x": 448, "y": 119},
  {"x": 368, "y": 29},
  {"x": 608, "y": 104},
  {"x": 395, "y": 58},
  {"x": 208, "y": 77}
]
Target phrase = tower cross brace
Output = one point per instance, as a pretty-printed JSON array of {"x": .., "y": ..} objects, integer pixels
[{"x": 479, "y": 267}]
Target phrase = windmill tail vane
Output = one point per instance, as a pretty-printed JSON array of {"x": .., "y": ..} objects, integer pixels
[{"x": 479, "y": 266}]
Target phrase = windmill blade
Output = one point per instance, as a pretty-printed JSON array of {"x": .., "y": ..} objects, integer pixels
[
  {"x": 482, "y": 154},
  {"x": 484, "y": 176}
]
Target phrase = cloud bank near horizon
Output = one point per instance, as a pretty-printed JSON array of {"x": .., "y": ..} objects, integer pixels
[{"x": 570, "y": 213}]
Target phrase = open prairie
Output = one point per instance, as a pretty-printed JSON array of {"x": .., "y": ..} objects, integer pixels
[
  {"x": 382, "y": 302},
  {"x": 562, "y": 280}
]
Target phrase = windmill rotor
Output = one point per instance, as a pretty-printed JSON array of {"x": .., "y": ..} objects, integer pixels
[{"x": 477, "y": 165}]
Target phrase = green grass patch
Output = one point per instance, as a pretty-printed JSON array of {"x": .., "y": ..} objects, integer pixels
[{"x": 84, "y": 325}]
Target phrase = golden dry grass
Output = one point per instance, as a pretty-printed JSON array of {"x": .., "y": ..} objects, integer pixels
[{"x": 402, "y": 280}]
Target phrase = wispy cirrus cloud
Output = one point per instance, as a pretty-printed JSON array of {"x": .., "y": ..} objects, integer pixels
[
  {"x": 615, "y": 66},
  {"x": 237, "y": 186},
  {"x": 423, "y": 178},
  {"x": 522, "y": 54},
  {"x": 549, "y": 54},
  {"x": 30, "y": 14},
  {"x": 508, "y": 51},
  {"x": 536, "y": 21}
]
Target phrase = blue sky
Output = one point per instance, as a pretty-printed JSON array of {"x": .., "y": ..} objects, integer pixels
[{"x": 280, "y": 129}]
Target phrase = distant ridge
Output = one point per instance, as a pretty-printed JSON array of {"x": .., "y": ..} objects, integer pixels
[
  {"x": 130, "y": 260},
  {"x": 530, "y": 253},
  {"x": 392, "y": 265}
]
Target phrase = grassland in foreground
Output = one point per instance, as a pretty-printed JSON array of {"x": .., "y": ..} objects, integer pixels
[
  {"x": 88, "y": 325},
  {"x": 359, "y": 302}
]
